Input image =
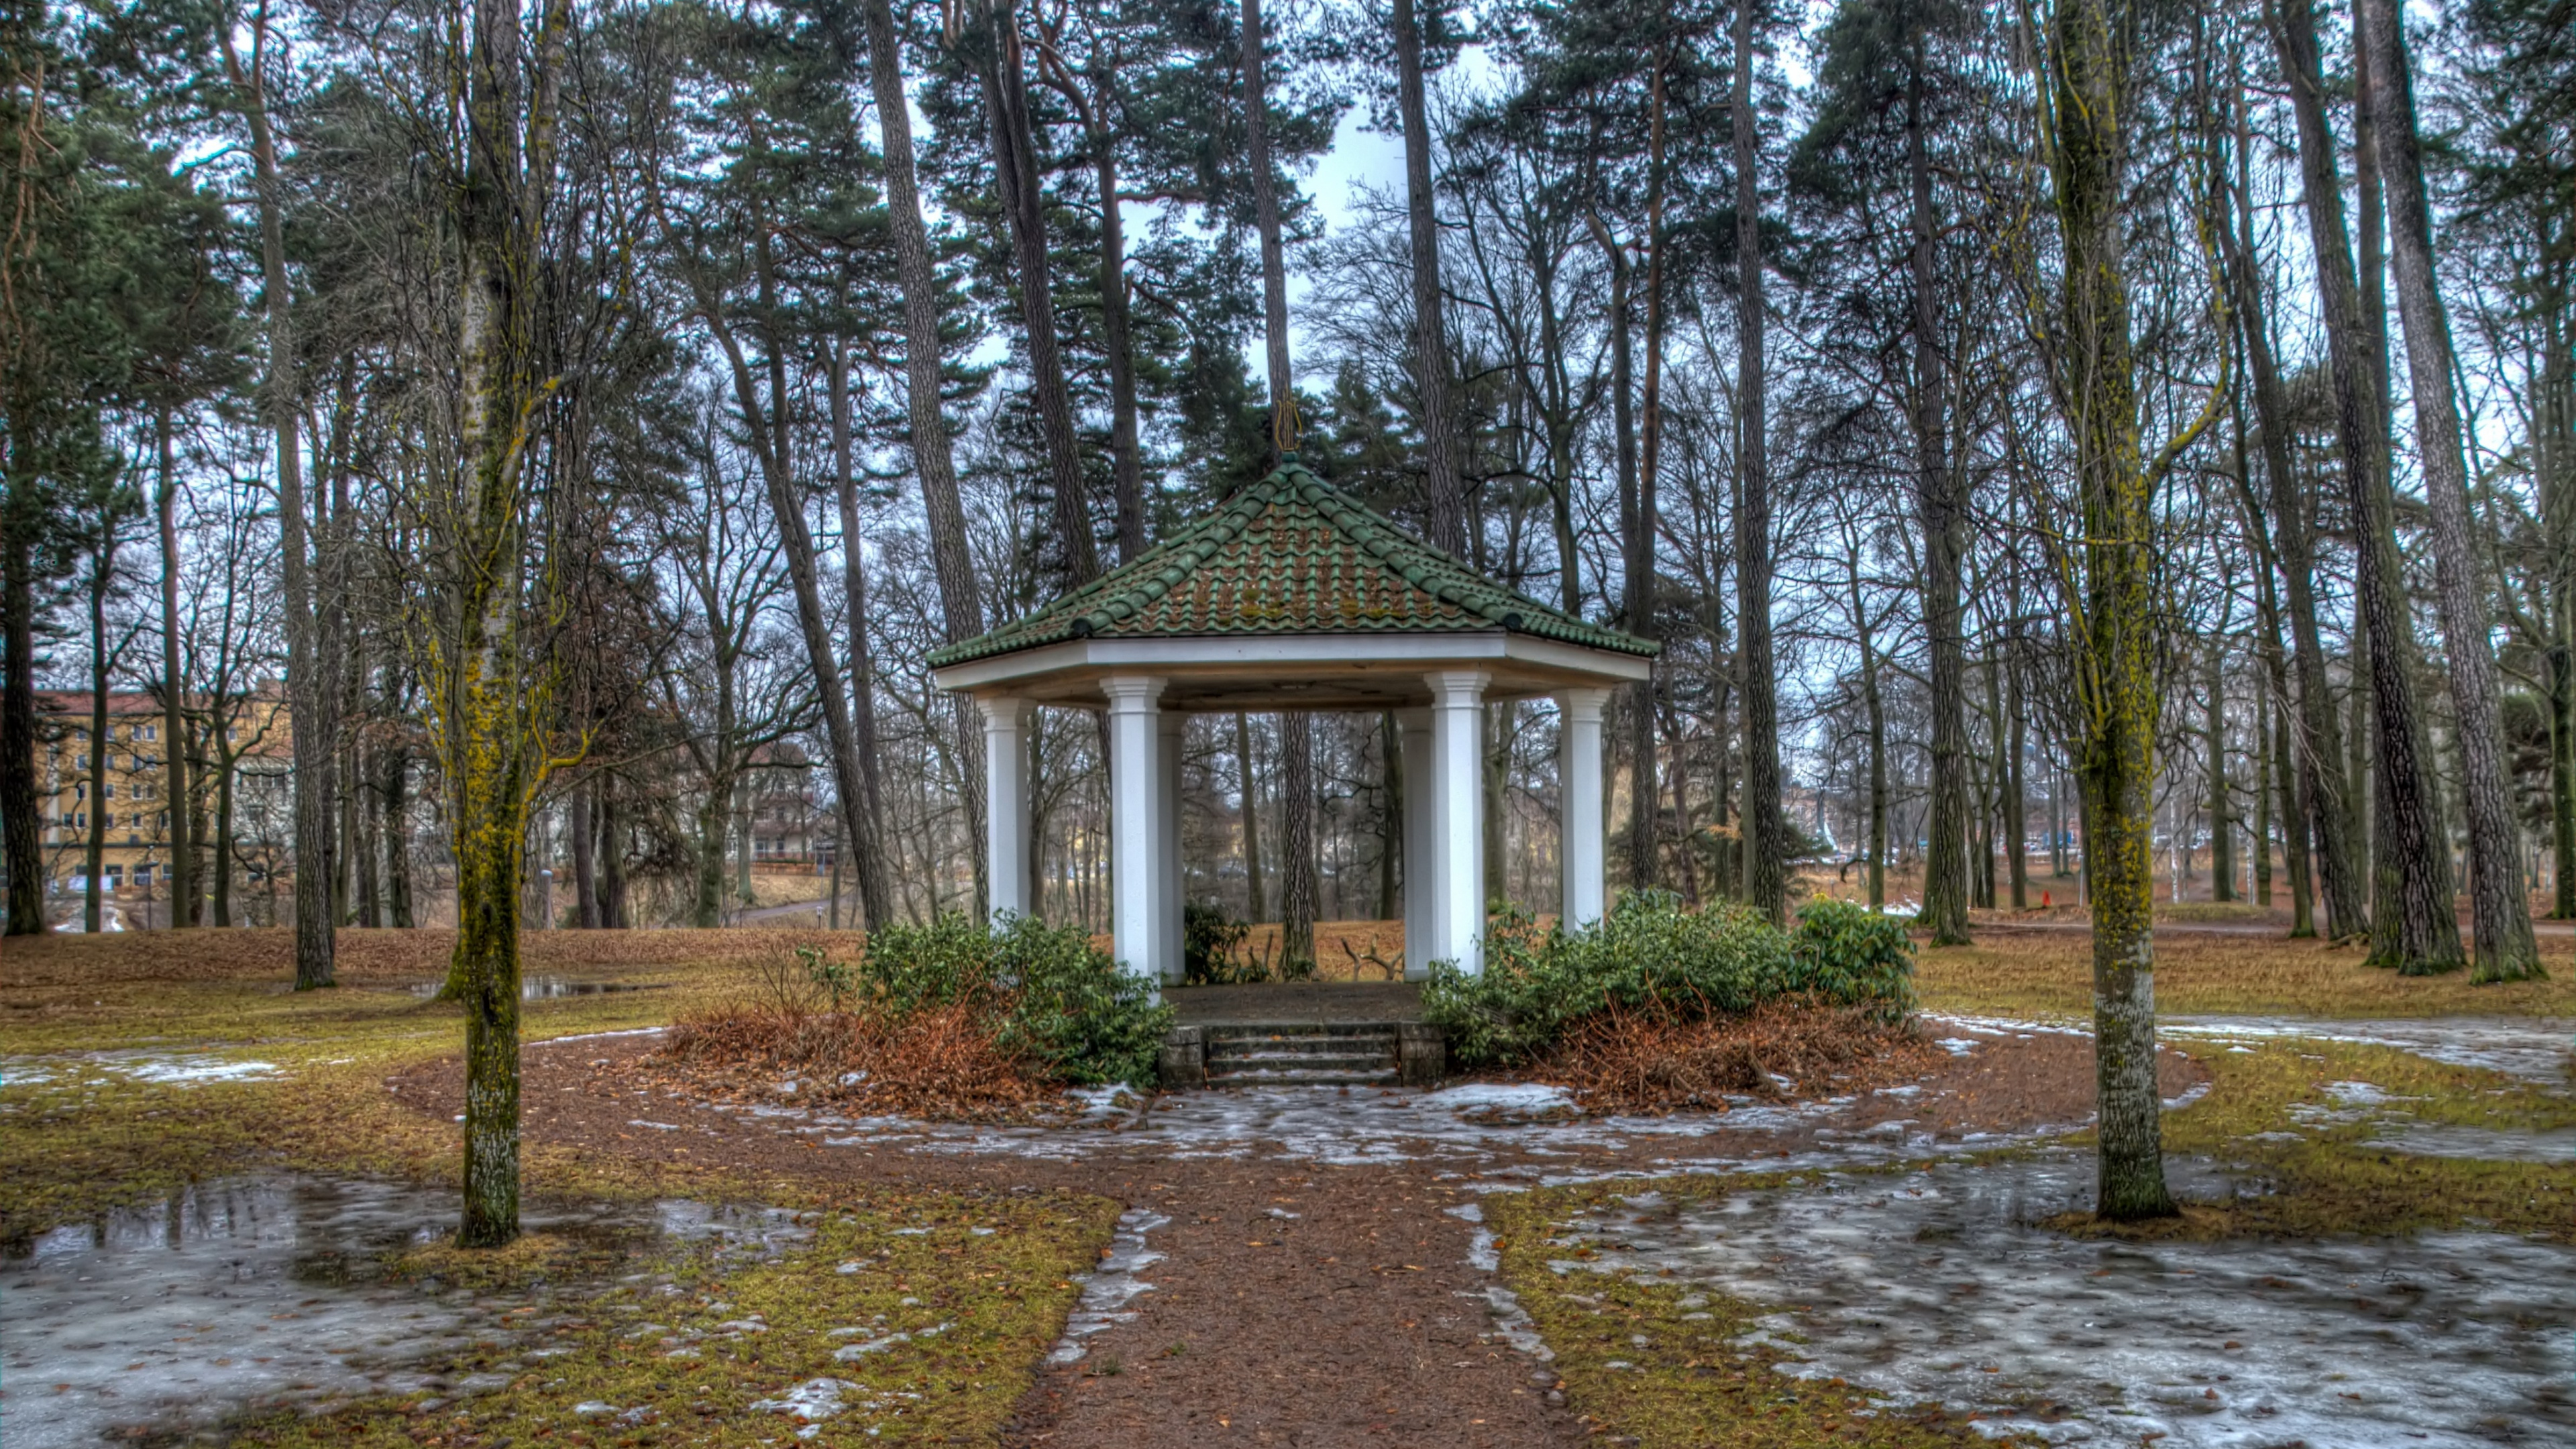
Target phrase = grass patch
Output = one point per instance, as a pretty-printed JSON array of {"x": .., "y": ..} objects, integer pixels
[
  {"x": 2271, "y": 1109},
  {"x": 1664, "y": 1364},
  {"x": 82, "y": 1133},
  {"x": 928, "y": 1312},
  {"x": 2049, "y": 974}
]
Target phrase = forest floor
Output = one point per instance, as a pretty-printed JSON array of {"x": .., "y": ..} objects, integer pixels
[{"x": 2379, "y": 1244}]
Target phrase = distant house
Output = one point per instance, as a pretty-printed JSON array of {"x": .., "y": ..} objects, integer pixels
[
  {"x": 788, "y": 827},
  {"x": 132, "y": 801}
]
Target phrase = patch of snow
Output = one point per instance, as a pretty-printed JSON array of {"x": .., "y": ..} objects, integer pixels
[
  {"x": 813, "y": 1401},
  {"x": 1915, "y": 1286},
  {"x": 1108, "y": 1288}
]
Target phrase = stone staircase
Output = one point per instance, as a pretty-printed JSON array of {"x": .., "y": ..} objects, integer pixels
[{"x": 1303, "y": 1054}]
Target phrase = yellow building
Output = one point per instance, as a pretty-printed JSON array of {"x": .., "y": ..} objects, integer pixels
[{"x": 133, "y": 800}]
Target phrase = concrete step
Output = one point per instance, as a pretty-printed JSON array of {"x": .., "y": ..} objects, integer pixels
[
  {"x": 1383, "y": 1077},
  {"x": 1319, "y": 1045},
  {"x": 1302, "y": 1053},
  {"x": 1233, "y": 1062}
]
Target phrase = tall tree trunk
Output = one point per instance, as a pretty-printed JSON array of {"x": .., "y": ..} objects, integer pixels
[
  {"x": 952, "y": 563},
  {"x": 1944, "y": 515},
  {"x": 612, "y": 859},
  {"x": 1297, "y": 843},
  {"x": 862, "y": 786},
  {"x": 2263, "y": 789},
  {"x": 482, "y": 693},
  {"x": 102, "y": 574},
  {"x": 1875, "y": 706},
  {"x": 176, "y": 786},
  {"x": 18, "y": 804},
  {"x": 2222, "y": 846},
  {"x": 2500, "y": 912},
  {"x": 1444, "y": 492},
  {"x": 1390, "y": 847},
  {"x": 397, "y": 833},
  {"x": 585, "y": 879},
  {"x": 222, "y": 904},
  {"x": 2016, "y": 796},
  {"x": 2416, "y": 930},
  {"x": 309, "y": 697},
  {"x": 2318, "y": 741},
  {"x": 1766, "y": 871},
  {"x": 1254, "y": 905},
  {"x": 1018, "y": 184},
  {"x": 2115, "y": 662},
  {"x": 1126, "y": 462},
  {"x": 1265, "y": 208},
  {"x": 1637, "y": 545}
]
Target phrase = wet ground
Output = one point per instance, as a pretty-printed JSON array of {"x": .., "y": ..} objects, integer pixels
[
  {"x": 1937, "y": 1285},
  {"x": 1313, "y": 1264},
  {"x": 254, "y": 1292}
]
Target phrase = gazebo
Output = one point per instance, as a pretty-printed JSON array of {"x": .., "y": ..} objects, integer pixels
[{"x": 1290, "y": 596}]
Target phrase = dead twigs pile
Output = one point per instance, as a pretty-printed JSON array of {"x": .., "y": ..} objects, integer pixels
[
  {"x": 941, "y": 1062},
  {"x": 1625, "y": 1061}
]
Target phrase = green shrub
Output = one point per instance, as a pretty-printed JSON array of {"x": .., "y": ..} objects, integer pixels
[
  {"x": 1209, "y": 939},
  {"x": 1048, "y": 992},
  {"x": 1854, "y": 956},
  {"x": 1652, "y": 957}
]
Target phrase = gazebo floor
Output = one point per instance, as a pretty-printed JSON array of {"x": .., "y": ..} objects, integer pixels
[{"x": 1298, "y": 1003}]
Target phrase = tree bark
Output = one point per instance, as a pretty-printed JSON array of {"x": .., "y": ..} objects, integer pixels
[
  {"x": 1637, "y": 544},
  {"x": 1254, "y": 905},
  {"x": 2500, "y": 912},
  {"x": 1019, "y": 187},
  {"x": 1444, "y": 493},
  {"x": 1766, "y": 872},
  {"x": 101, "y": 745},
  {"x": 176, "y": 786},
  {"x": 1944, "y": 515},
  {"x": 2016, "y": 797},
  {"x": 2415, "y": 929},
  {"x": 308, "y": 696},
  {"x": 1265, "y": 207},
  {"x": 1297, "y": 844},
  {"x": 952, "y": 563},
  {"x": 2222, "y": 847},
  {"x": 585, "y": 879},
  {"x": 863, "y": 817},
  {"x": 2115, "y": 664}
]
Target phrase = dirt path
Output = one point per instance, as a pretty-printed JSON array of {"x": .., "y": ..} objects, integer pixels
[{"x": 1318, "y": 1281}]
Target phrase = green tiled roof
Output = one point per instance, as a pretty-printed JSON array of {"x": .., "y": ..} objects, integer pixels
[{"x": 1287, "y": 555}]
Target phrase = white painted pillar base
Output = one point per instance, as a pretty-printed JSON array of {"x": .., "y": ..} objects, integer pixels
[
  {"x": 1008, "y": 724},
  {"x": 1169, "y": 739},
  {"x": 1135, "y": 815},
  {"x": 1421, "y": 881},
  {"x": 1580, "y": 844},
  {"x": 1458, "y": 848}
]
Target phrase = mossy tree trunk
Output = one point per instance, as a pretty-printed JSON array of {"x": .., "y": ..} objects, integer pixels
[
  {"x": 487, "y": 704},
  {"x": 2110, "y": 573}
]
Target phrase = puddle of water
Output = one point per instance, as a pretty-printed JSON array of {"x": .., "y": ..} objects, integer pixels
[
  {"x": 546, "y": 988},
  {"x": 2534, "y": 1050},
  {"x": 1107, "y": 1289},
  {"x": 1930, "y": 1285},
  {"x": 250, "y": 1292}
]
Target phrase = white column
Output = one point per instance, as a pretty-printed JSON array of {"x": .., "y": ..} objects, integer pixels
[
  {"x": 1421, "y": 879},
  {"x": 1007, "y": 726},
  {"x": 1458, "y": 848},
  {"x": 1579, "y": 805},
  {"x": 1135, "y": 818},
  {"x": 1167, "y": 843}
]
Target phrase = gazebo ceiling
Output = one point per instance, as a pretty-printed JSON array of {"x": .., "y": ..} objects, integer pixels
[{"x": 1290, "y": 596}]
